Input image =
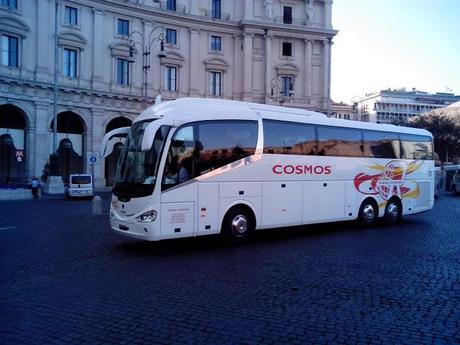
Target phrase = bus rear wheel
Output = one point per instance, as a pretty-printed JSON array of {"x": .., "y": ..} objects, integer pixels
[
  {"x": 393, "y": 211},
  {"x": 238, "y": 224},
  {"x": 368, "y": 212}
]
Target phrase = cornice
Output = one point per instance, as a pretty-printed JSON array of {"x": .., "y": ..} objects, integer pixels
[
  {"x": 190, "y": 21},
  {"x": 276, "y": 28},
  {"x": 68, "y": 89}
]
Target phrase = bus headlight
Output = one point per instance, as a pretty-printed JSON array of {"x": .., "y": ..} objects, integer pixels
[{"x": 147, "y": 217}]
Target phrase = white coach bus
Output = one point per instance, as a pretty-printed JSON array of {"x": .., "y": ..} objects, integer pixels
[{"x": 195, "y": 167}]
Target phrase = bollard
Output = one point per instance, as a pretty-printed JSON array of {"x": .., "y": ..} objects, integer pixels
[{"x": 97, "y": 205}]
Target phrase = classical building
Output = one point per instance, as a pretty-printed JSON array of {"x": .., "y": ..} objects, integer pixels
[
  {"x": 111, "y": 58},
  {"x": 343, "y": 111},
  {"x": 397, "y": 106}
]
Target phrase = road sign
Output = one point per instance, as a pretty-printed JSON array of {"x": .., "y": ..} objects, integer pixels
[
  {"x": 19, "y": 155},
  {"x": 93, "y": 158}
]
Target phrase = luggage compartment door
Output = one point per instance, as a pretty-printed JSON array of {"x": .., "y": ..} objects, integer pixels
[{"x": 324, "y": 201}]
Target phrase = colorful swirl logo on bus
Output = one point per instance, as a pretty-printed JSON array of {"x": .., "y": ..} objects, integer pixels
[{"x": 391, "y": 180}]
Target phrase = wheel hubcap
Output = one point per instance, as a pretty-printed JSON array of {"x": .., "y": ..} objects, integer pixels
[
  {"x": 393, "y": 210},
  {"x": 239, "y": 225},
  {"x": 368, "y": 213}
]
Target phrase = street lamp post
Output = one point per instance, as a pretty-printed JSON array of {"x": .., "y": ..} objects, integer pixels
[{"x": 146, "y": 46}]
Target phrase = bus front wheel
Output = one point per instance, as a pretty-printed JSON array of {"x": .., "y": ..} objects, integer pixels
[
  {"x": 368, "y": 212},
  {"x": 238, "y": 224}
]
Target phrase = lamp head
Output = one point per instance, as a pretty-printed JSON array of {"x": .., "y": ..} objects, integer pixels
[{"x": 162, "y": 53}]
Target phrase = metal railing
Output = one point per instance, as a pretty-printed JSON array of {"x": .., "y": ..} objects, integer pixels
[
  {"x": 294, "y": 21},
  {"x": 217, "y": 15},
  {"x": 165, "y": 5}
]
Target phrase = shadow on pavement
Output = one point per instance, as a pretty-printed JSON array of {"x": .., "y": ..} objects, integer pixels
[{"x": 268, "y": 236}]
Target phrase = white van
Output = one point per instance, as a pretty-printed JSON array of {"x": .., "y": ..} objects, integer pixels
[{"x": 80, "y": 185}]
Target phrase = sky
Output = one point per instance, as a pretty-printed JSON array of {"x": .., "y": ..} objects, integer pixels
[{"x": 395, "y": 44}]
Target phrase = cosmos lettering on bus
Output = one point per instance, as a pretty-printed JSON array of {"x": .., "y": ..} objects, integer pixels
[{"x": 302, "y": 169}]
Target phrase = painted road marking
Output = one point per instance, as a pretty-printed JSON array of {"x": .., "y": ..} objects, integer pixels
[{"x": 7, "y": 227}]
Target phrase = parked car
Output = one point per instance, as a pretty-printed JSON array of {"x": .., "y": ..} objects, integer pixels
[
  {"x": 80, "y": 185},
  {"x": 455, "y": 185}
]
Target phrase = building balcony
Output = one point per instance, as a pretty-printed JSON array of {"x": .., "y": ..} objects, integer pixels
[
  {"x": 294, "y": 21},
  {"x": 217, "y": 16},
  {"x": 165, "y": 6}
]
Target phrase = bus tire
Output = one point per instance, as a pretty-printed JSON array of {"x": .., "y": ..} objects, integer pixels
[
  {"x": 368, "y": 212},
  {"x": 238, "y": 224},
  {"x": 393, "y": 211}
]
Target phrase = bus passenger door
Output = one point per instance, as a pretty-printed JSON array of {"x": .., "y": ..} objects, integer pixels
[
  {"x": 208, "y": 208},
  {"x": 324, "y": 201}
]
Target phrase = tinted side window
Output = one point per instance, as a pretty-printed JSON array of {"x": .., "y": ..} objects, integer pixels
[
  {"x": 289, "y": 138},
  {"x": 180, "y": 163},
  {"x": 339, "y": 141},
  {"x": 416, "y": 147},
  {"x": 223, "y": 142},
  {"x": 381, "y": 144}
]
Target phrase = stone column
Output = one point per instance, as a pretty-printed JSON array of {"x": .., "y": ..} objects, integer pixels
[
  {"x": 40, "y": 142},
  {"x": 327, "y": 74},
  {"x": 328, "y": 14},
  {"x": 308, "y": 75},
  {"x": 95, "y": 137},
  {"x": 247, "y": 66},
  {"x": 30, "y": 152},
  {"x": 98, "y": 50},
  {"x": 268, "y": 66},
  {"x": 194, "y": 63},
  {"x": 44, "y": 30},
  {"x": 238, "y": 72}
]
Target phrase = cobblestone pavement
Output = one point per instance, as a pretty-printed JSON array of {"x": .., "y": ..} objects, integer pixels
[{"x": 66, "y": 279}]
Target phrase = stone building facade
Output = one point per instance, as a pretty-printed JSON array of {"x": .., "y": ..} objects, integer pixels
[
  {"x": 340, "y": 110},
  {"x": 111, "y": 53},
  {"x": 398, "y": 106}
]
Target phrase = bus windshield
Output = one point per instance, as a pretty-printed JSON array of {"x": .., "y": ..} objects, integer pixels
[{"x": 137, "y": 170}]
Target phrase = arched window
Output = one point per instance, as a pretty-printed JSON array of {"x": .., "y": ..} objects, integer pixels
[{"x": 12, "y": 145}]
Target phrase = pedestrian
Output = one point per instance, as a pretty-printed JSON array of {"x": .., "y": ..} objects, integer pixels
[{"x": 35, "y": 186}]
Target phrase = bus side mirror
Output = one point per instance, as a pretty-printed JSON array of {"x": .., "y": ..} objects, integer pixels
[{"x": 119, "y": 132}]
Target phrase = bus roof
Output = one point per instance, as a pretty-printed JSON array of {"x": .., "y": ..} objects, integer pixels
[{"x": 186, "y": 110}]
